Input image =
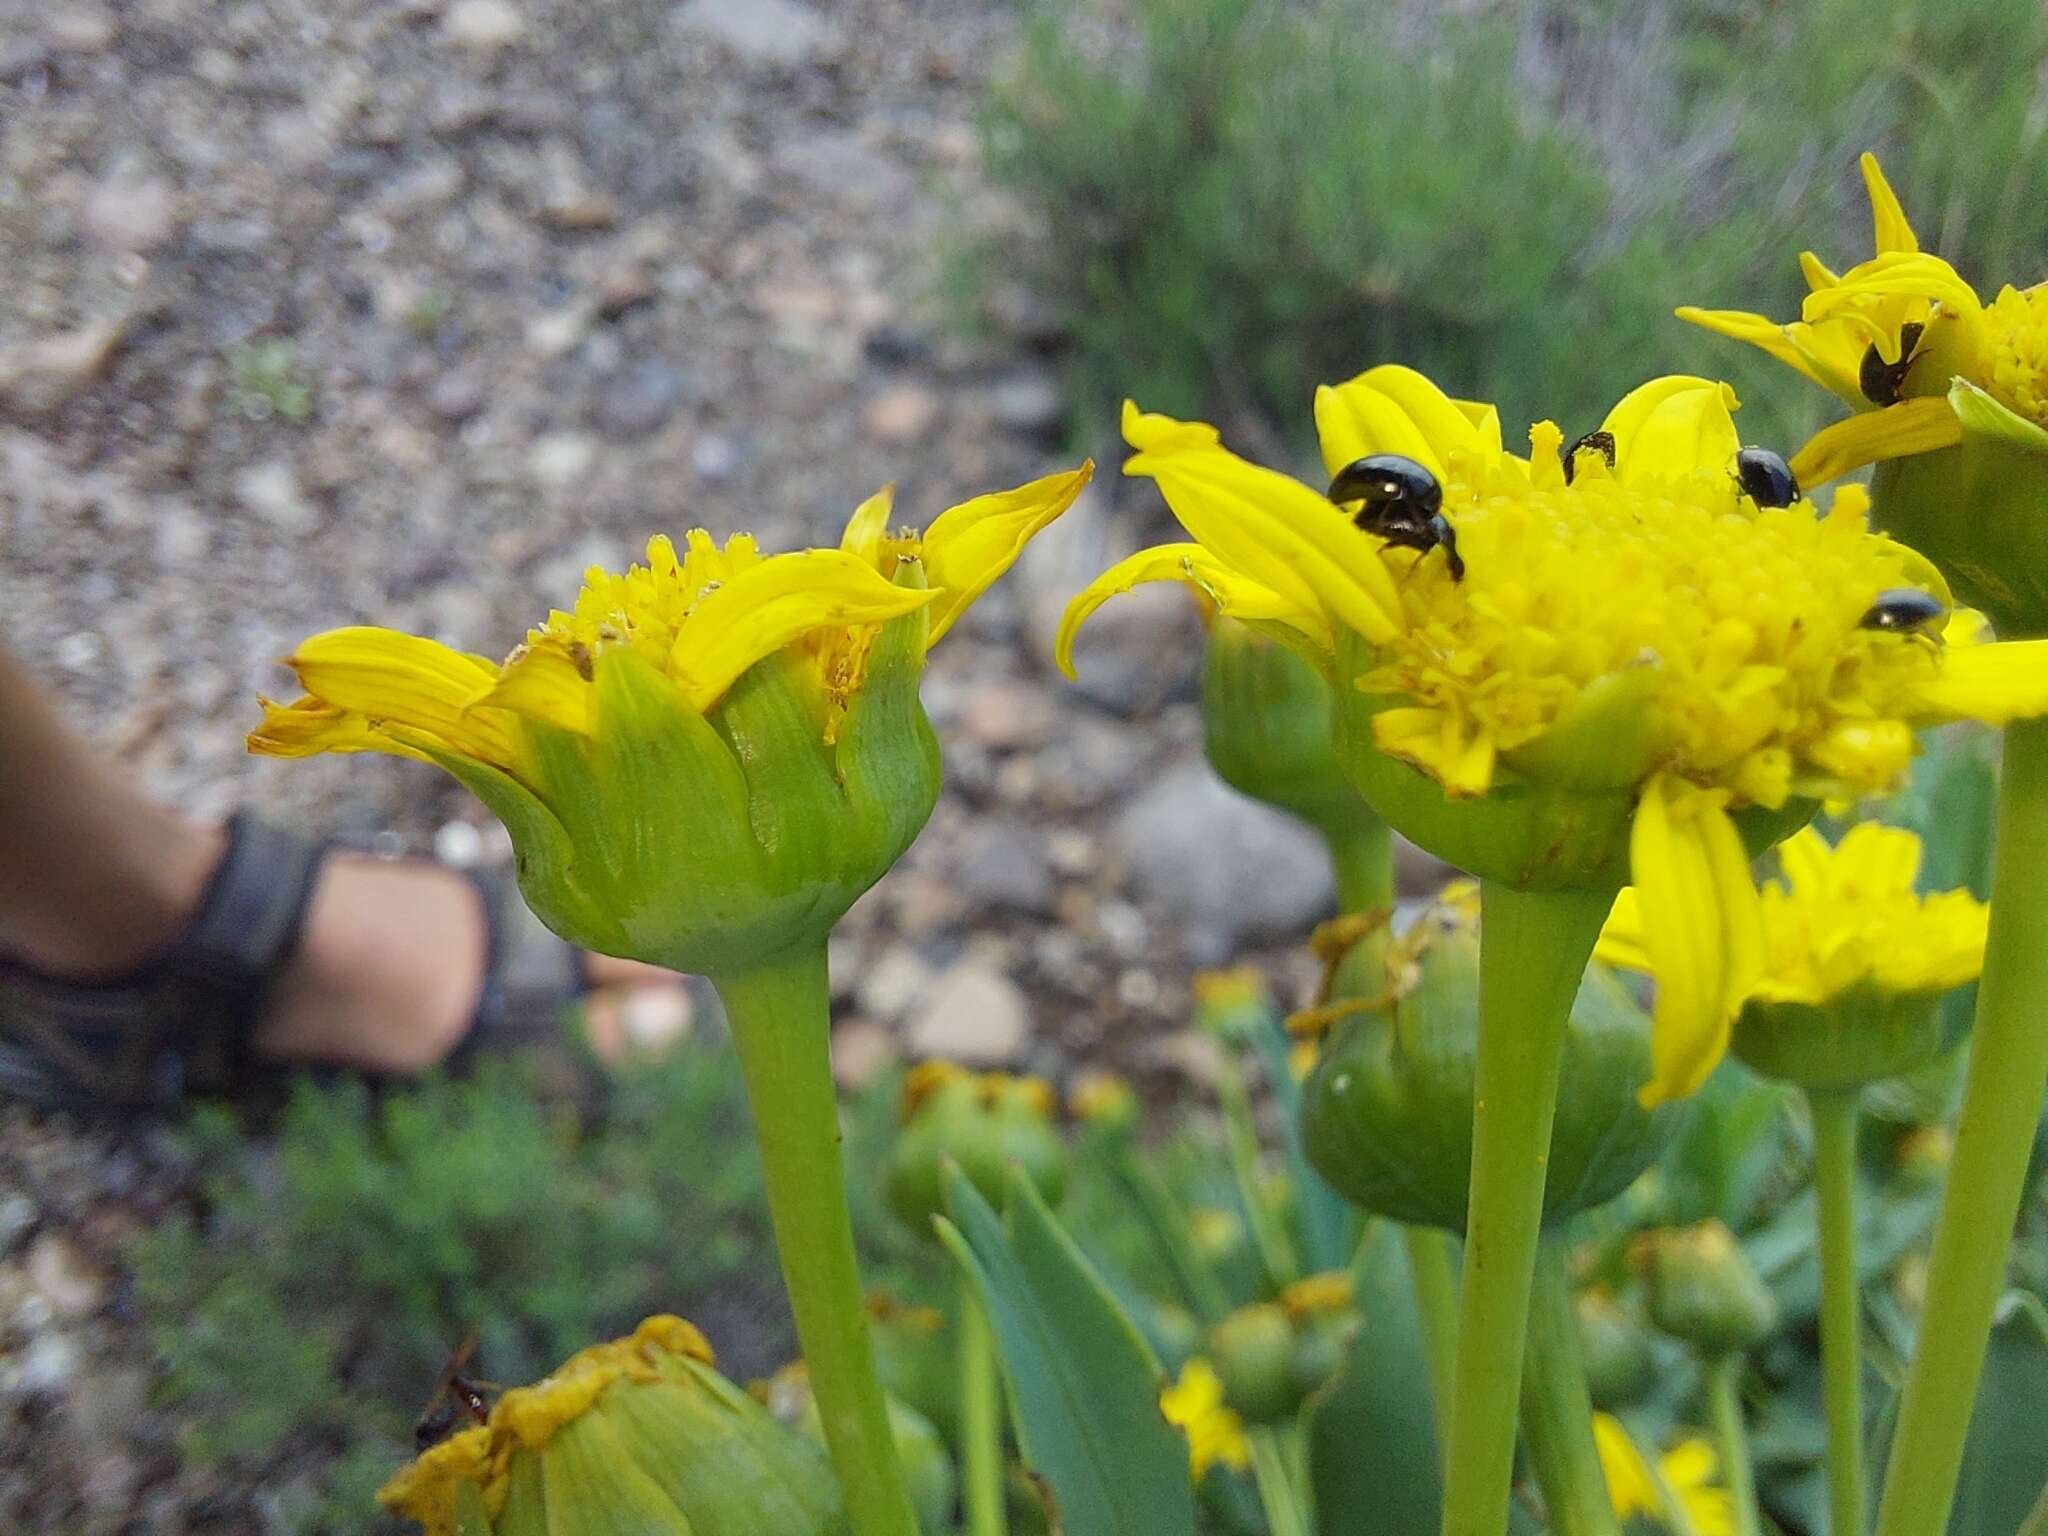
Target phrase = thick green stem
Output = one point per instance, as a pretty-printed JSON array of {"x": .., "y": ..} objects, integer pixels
[
  {"x": 1731, "y": 1440},
  {"x": 981, "y": 1419},
  {"x": 1557, "y": 1410},
  {"x": 1362, "y": 854},
  {"x": 1994, "y": 1136},
  {"x": 1268, "y": 1229},
  {"x": 1533, "y": 950},
  {"x": 1841, "y": 1326},
  {"x": 1435, "y": 1281},
  {"x": 780, "y": 1027},
  {"x": 1279, "y": 1495}
]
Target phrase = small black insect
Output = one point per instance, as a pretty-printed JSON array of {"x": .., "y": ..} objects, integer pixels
[
  {"x": 1903, "y": 611},
  {"x": 1402, "y": 504},
  {"x": 455, "y": 1395},
  {"x": 1881, "y": 381},
  {"x": 1599, "y": 442},
  {"x": 1766, "y": 478}
]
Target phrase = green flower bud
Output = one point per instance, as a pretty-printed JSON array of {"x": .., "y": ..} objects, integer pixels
[
  {"x": 1855, "y": 1037},
  {"x": 982, "y": 1121},
  {"x": 1267, "y": 718},
  {"x": 1233, "y": 1005},
  {"x": 1702, "y": 1288},
  {"x": 639, "y": 1435},
  {"x": 915, "y": 1357},
  {"x": 1104, "y": 1103},
  {"x": 1253, "y": 1352},
  {"x": 1387, "y": 1114},
  {"x": 1619, "y": 1366},
  {"x": 927, "y": 1465}
]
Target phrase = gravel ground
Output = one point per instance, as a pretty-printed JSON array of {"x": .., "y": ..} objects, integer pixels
[{"x": 405, "y": 312}]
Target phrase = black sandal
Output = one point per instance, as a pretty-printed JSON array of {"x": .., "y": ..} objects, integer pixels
[{"x": 178, "y": 1026}]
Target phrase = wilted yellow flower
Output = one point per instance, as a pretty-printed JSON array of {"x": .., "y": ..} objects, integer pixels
[
  {"x": 983, "y": 1123},
  {"x": 1849, "y": 942},
  {"x": 709, "y": 756},
  {"x": 639, "y": 1434},
  {"x": 1639, "y": 671},
  {"x": 1194, "y": 1405},
  {"x": 1905, "y": 341},
  {"x": 1103, "y": 1100},
  {"x": 1680, "y": 1494}
]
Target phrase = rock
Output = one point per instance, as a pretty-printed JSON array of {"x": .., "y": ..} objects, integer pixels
[
  {"x": 486, "y": 26},
  {"x": 776, "y": 33},
  {"x": 1003, "y": 865},
  {"x": 46, "y": 1366},
  {"x": 1226, "y": 868},
  {"x": 73, "y": 1288},
  {"x": 862, "y": 1050},
  {"x": 578, "y": 209},
  {"x": 973, "y": 1014},
  {"x": 889, "y": 987},
  {"x": 127, "y": 212},
  {"x": 43, "y": 374},
  {"x": 900, "y": 414},
  {"x": 457, "y": 395},
  {"x": 79, "y": 29},
  {"x": 623, "y": 288},
  {"x": 458, "y": 844},
  {"x": 1028, "y": 401},
  {"x": 17, "y": 1215},
  {"x": 1137, "y": 652},
  {"x": 843, "y": 166},
  {"x": 715, "y": 457},
  {"x": 561, "y": 459},
  {"x": 655, "y": 1019},
  {"x": 271, "y": 491},
  {"x": 635, "y": 401},
  {"x": 1007, "y": 716}
]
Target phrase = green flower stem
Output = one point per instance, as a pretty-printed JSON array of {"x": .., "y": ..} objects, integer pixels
[
  {"x": 1362, "y": 855},
  {"x": 1557, "y": 1410},
  {"x": 1841, "y": 1327},
  {"x": 981, "y": 1419},
  {"x": 1533, "y": 950},
  {"x": 1435, "y": 1281},
  {"x": 1269, "y": 1230},
  {"x": 1994, "y": 1136},
  {"x": 780, "y": 1027},
  {"x": 1731, "y": 1440},
  {"x": 1200, "y": 1288},
  {"x": 1279, "y": 1495}
]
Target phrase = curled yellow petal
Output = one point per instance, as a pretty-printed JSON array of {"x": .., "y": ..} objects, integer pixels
[
  {"x": 1266, "y": 526},
  {"x": 1919, "y": 425},
  {"x": 411, "y": 682},
  {"x": 1897, "y": 274},
  {"x": 771, "y": 603},
  {"x": 970, "y": 545},
  {"x": 1996, "y": 683},
  {"x": 307, "y": 727},
  {"x": 1673, "y": 426},
  {"x": 1235, "y": 596},
  {"x": 548, "y": 680},
  {"x": 1621, "y": 937},
  {"x": 1829, "y": 357},
  {"x": 870, "y": 521},
  {"x": 1889, "y": 228},
  {"x": 1391, "y": 409}
]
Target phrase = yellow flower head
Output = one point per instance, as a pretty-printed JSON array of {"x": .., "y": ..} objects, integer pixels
[
  {"x": 1633, "y": 656},
  {"x": 706, "y": 752},
  {"x": 1847, "y": 940},
  {"x": 1679, "y": 1494},
  {"x": 642, "y": 1434},
  {"x": 1194, "y": 1405}
]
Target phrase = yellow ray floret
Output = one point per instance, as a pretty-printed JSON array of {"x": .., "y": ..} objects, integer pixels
[{"x": 1194, "y": 1405}]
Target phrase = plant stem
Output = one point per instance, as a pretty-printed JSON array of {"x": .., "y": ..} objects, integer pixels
[
  {"x": 1994, "y": 1137},
  {"x": 780, "y": 1026},
  {"x": 981, "y": 1419},
  {"x": 1557, "y": 1410},
  {"x": 1436, "y": 1309},
  {"x": 1168, "y": 1227},
  {"x": 1278, "y": 1495},
  {"x": 1731, "y": 1440},
  {"x": 1362, "y": 856},
  {"x": 1269, "y": 1231},
  {"x": 1841, "y": 1329},
  {"x": 1532, "y": 952}
]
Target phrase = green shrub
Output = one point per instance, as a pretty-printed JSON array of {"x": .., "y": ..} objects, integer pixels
[{"x": 1232, "y": 200}]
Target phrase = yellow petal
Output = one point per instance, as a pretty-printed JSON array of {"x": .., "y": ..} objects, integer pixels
[
  {"x": 972, "y": 544},
  {"x": 1270, "y": 528},
  {"x": 1804, "y": 857},
  {"x": 1889, "y": 229},
  {"x": 1621, "y": 939},
  {"x": 547, "y": 680},
  {"x": 1673, "y": 426},
  {"x": 308, "y": 727},
  {"x": 413, "y": 682},
  {"x": 1235, "y": 596},
  {"x": 1829, "y": 356},
  {"x": 770, "y": 604},
  {"x": 1919, "y": 425},
  {"x": 1391, "y": 409},
  {"x": 1898, "y": 274},
  {"x": 864, "y": 530},
  {"x": 1997, "y": 683}
]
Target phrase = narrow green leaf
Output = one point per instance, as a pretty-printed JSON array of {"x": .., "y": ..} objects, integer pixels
[
  {"x": 2005, "y": 1462},
  {"x": 1083, "y": 1383}
]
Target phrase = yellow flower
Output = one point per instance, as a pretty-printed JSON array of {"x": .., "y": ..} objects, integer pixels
[
  {"x": 1680, "y": 1494},
  {"x": 1640, "y": 670},
  {"x": 1928, "y": 366},
  {"x": 710, "y": 755},
  {"x": 1194, "y": 1405},
  {"x": 639, "y": 1434},
  {"x": 1854, "y": 958}
]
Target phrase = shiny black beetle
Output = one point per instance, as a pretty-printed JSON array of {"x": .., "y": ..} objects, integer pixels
[
  {"x": 1600, "y": 442},
  {"x": 1881, "y": 381},
  {"x": 1903, "y": 611},
  {"x": 1766, "y": 478},
  {"x": 1401, "y": 503}
]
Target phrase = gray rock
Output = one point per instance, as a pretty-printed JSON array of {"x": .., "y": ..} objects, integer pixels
[
  {"x": 129, "y": 212},
  {"x": 838, "y": 164},
  {"x": 972, "y": 1014},
  {"x": 483, "y": 25},
  {"x": 766, "y": 32},
  {"x": 17, "y": 1215},
  {"x": 43, "y": 374},
  {"x": 457, "y": 395},
  {"x": 271, "y": 491},
  {"x": 640, "y": 398},
  {"x": 1029, "y": 401},
  {"x": 1226, "y": 868},
  {"x": 1003, "y": 865},
  {"x": 1137, "y": 652}
]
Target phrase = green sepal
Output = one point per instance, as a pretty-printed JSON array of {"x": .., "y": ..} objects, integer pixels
[
  {"x": 887, "y": 756},
  {"x": 470, "y": 1518},
  {"x": 1268, "y": 727},
  {"x": 1860, "y": 1036},
  {"x": 595, "y": 1487}
]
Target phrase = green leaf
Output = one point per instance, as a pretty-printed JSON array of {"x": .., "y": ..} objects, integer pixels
[
  {"x": 1083, "y": 1383},
  {"x": 2005, "y": 1462}
]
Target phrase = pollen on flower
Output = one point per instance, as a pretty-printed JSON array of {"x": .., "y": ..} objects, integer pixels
[
  {"x": 2017, "y": 323},
  {"x": 1740, "y": 631}
]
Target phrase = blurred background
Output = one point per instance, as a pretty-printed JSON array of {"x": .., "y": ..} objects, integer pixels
[{"x": 406, "y": 311}]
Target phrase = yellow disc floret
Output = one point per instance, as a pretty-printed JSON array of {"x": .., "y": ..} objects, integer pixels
[{"x": 2016, "y": 324}]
